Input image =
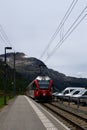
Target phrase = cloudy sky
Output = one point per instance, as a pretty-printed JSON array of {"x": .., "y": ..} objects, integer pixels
[{"x": 30, "y": 25}]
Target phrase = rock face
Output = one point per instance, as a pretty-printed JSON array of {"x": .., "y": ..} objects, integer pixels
[{"x": 31, "y": 67}]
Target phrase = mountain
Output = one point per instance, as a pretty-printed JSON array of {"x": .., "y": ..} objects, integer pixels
[{"x": 30, "y": 68}]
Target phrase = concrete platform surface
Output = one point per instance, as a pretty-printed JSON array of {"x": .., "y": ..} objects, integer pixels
[{"x": 25, "y": 114}]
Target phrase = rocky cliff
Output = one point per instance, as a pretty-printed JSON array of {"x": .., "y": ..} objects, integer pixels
[{"x": 31, "y": 67}]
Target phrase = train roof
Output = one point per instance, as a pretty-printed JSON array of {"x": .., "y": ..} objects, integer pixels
[{"x": 43, "y": 78}]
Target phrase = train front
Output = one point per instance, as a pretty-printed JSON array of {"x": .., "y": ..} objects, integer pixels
[{"x": 44, "y": 91}]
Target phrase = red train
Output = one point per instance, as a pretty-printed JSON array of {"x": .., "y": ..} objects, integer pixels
[{"x": 41, "y": 88}]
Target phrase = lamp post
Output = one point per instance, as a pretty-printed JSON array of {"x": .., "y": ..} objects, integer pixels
[
  {"x": 14, "y": 86},
  {"x": 5, "y": 84}
]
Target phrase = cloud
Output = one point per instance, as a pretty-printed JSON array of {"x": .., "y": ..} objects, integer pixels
[{"x": 29, "y": 26}]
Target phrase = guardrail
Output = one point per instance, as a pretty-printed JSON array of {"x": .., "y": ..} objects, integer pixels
[{"x": 76, "y": 100}]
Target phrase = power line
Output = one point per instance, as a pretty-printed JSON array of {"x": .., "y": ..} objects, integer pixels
[
  {"x": 4, "y": 37},
  {"x": 70, "y": 30},
  {"x": 4, "y": 34},
  {"x": 74, "y": 2}
]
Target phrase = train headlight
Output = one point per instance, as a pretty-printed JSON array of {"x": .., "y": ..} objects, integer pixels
[{"x": 44, "y": 94}]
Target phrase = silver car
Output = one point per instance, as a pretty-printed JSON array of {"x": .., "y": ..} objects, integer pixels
[{"x": 77, "y": 95}]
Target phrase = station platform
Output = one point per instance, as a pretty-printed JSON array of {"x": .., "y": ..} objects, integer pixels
[{"x": 25, "y": 114}]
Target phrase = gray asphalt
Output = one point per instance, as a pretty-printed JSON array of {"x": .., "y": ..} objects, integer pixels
[{"x": 20, "y": 116}]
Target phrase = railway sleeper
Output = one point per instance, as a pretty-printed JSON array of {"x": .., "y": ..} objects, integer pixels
[{"x": 69, "y": 120}]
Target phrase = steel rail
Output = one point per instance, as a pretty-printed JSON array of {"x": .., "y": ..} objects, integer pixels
[{"x": 74, "y": 120}]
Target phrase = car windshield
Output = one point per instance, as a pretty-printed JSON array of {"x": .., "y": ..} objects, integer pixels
[{"x": 43, "y": 84}]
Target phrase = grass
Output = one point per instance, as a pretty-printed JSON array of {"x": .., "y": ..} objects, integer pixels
[{"x": 2, "y": 100}]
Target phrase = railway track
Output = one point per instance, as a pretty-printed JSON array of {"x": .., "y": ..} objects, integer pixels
[{"x": 74, "y": 120}]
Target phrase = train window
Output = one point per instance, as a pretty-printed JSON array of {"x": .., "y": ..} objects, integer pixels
[{"x": 44, "y": 84}]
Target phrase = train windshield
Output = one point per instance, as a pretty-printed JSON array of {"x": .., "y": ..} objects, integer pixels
[{"x": 43, "y": 84}]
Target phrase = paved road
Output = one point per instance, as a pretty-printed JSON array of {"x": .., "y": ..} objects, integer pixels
[{"x": 20, "y": 116}]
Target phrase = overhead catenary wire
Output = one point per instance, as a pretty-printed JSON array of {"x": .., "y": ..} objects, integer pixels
[
  {"x": 65, "y": 37},
  {"x": 1, "y": 36},
  {"x": 4, "y": 34},
  {"x": 68, "y": 33},
  {"x": 67, "y": 14},
  {"x": 4, "y": 38}
]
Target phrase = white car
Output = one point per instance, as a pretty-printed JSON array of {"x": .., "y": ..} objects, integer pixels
[
  {"x": 83, "y": 98},
  {"x": 76, "y": 95},
  {"x": 66, "y": 91},
  {"x": 55, "y": 93},
  {"x": 69, "y": 90}
]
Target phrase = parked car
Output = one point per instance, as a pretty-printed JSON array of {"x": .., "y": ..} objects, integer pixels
[
  {"x": 55, "y": 93},
  {"x": 69, "y": 90},
  {"x": 76, "y": 95},
  {"x": 81, "y": 97},
  {"x": 66, "y": 93}
]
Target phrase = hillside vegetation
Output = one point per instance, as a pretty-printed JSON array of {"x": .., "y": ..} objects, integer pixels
[{"x": 28, "y": 69}]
